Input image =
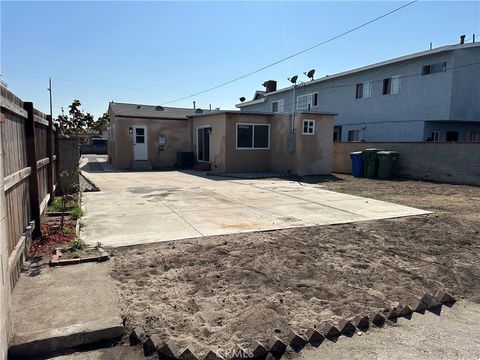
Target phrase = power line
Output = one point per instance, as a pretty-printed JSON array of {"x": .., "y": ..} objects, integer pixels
[{"x": 295, "y": 54}]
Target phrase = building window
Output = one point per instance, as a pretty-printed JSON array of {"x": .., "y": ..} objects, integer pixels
[
  {"x": 253, "y": 136},
  {"x": 473, "y": 136},
  {"x": 307, "y": 101},
  {"x": 353, "y": 135},
  {"x": 434, "y": 68},
  {"x": 391, "y": 85},
  {"x": 277, "y": 106},
  {"x": 364, "y": 90},
  {"x": 308, "y": 127},
  {"x": 337, "y": 133},
  {"x": 452, "y": 135},
  {"x": 435, "y": 136}
]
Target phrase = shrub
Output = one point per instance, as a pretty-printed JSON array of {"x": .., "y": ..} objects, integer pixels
[
  {"x": 56, "y": 205},
  {"x": 77, "y": 212}
]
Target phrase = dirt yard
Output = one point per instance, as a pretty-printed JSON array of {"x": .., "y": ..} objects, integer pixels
[{"x": 225, "y": 290}]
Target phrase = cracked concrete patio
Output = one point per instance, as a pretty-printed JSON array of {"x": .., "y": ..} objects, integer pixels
[{"x": 144, "y": 207}]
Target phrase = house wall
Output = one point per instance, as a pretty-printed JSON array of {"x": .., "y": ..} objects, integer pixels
[
  {"x": 177, "y": 133},
  {"x": 451, "y": 95},
  {"x": 246, "y": 160},
  {"x": 217, "y": 138},
  {"x": 444, "y": 162}
]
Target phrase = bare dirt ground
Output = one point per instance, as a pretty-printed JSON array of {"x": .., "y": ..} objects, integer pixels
[{"x": 225, "y": 290}]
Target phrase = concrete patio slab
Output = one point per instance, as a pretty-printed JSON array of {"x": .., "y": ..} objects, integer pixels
[
  {"x": 57, "y": 308},
  {"x": 143, "y": 207}
]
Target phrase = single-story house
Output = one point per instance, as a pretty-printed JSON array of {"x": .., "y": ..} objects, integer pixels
[{"x": 224, "y": 141}]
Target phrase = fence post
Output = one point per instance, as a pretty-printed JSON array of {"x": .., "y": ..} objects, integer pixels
[
  {"x": 50, "y": 157},
  {"x": 32, "y": 162},
  {"x": 57, "y": 160}
]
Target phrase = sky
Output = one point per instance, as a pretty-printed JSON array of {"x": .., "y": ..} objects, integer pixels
[{"x": 156, "y": 52}]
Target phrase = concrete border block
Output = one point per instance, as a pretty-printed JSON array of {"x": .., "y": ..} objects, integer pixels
[
  {"x": 376, "y": 319},
  {"x": 277, "y": 347},
  {"x": 314, "y": 337},
  {"x": 168, "y": 351},
  {"x": 330, "y": 331},
  {"x": 360, "y": 322},
  {"x": 260, "y": 351},
  {"x": 444, "y": 297},
  {"x": 296, "y": 341},
  {"x": 346, "y": 327},
  {"x": 426, "y": 302},
  {"x": 188, "y": 354},
  {"x": 137, "y": 336},
  {"x": 151, "y": 344}
]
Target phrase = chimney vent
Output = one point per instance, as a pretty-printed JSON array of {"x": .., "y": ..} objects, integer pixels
[
  {"x": 462, "y": 39},
  {"x": 270, "y": 86}
]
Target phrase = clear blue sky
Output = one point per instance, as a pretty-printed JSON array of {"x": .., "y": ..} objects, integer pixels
[{"x": 154, "y": 52}]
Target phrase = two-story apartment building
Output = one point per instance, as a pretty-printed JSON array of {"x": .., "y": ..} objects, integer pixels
[{"x": 430, "y": 95}]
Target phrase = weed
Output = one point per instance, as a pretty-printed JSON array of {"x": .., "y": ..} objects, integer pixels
[
  {"x": 76, "y": 254},
  {"x": 56, "y": 205},
  {"x": 74, "y": 245},
  {"x": 77, "y": 212},
  {"x": 113, "y": 252},
  {"x": 98, "y": 245},
  {"x": 82, "y": 225},
  {"x": 68, "y": 230}
]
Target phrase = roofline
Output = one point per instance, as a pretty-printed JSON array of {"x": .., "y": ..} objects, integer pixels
[
  {"x": 251, "y": 102},
  {"x": 150, "y": 117},
  {"x": 375, "y": 65},
  {"x": 259, "y": 113}
]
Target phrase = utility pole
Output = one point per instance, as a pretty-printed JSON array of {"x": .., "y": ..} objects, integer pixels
[{"x": 50, "y": 91}]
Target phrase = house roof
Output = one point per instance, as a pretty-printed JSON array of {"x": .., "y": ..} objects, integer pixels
[
  {"x": 149, "y": 111},
  {"x": 368, "y": 67},
  {"x": 253, "y": 113}
]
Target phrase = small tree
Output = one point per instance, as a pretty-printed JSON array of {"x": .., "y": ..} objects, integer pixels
[{"x": 76, "y": 122}]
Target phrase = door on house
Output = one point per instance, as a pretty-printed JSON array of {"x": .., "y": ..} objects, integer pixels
[
  {"x": 140, "y": 143},
  {"x": 452, "y": 135},
  {"x": 203, "y": 143}
]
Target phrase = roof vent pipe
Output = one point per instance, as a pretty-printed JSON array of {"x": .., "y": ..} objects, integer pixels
[
  {"x": 462, "y": 39},
  {"x": 194, "y": 107}
]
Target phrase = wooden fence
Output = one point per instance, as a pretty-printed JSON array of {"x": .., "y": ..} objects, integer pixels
[{"x": 29, "y": 143}]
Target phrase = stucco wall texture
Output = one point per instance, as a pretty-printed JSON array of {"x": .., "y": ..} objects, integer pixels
[
  {"x": 457, "y": 163},
  {"x": 312, "y": 153}
]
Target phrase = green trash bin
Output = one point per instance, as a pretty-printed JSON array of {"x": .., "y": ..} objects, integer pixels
[
  {"x": 370, "y": 162},
  {"x": 387, "y": 164}
]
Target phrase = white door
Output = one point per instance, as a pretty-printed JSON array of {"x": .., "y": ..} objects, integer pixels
[{"x": 140, "y": 143}]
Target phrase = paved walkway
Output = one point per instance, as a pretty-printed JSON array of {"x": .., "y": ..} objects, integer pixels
[
  {"x": 55, "y": 308},
  {"x": 142, "y": 207}
]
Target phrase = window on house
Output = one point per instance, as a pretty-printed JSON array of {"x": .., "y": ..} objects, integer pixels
[
  {"x": 353, "y": 135},
  {"x": 473, "y": 136},
  {"x": 277, "y": 106},
  {"x": 337, "y": 133},
  {"x": 391, "y": 85},
  {"x": 434, "y": 68},
  {"x": 364, "y": 90},
  {"x": 308, "y": 127},
  {"x": 253, "y": 136},
  {"x": 435, "y": 136},
  {"x": 307, "y": 101}
]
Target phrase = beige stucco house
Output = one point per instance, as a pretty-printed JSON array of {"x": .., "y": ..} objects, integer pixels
[{"x": 143, "y": 136}]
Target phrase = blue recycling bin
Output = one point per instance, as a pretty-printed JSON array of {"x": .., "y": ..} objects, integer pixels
[{"x": 357, "y": 163}]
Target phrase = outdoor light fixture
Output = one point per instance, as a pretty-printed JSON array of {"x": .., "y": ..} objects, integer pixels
[{"x": 130, "y": 130}]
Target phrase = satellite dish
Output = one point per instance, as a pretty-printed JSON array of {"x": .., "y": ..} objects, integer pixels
[
  {"x": 242, "y": 99},
  {"x": 310, "y": 73},
  {"x": 293, "y": 79}
]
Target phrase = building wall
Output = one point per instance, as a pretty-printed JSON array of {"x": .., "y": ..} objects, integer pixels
[
  {"x": 444, "y": 162},
  {"x": 451, "y": 95},
  {"x": 178, "y": 138},
  {"x": 463, "y": 129},
  {"x": 217, "y": 139},
  {"x": 312, "y": 154},
  {"x": 246, "y": 160}
]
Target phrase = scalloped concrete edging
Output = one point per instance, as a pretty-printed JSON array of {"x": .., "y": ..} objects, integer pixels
[{"x": 296, "y": 341}]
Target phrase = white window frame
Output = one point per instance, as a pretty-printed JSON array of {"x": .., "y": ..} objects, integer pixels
[
  {"x": 309, "y": 100},
  {"x": 366, "y": 90},
  {"x": 312, "y": 127},
  {"x": 253, "y": 137},
  {"x": 435, "y": 136},
  {"x": 280, "y": 106}
]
